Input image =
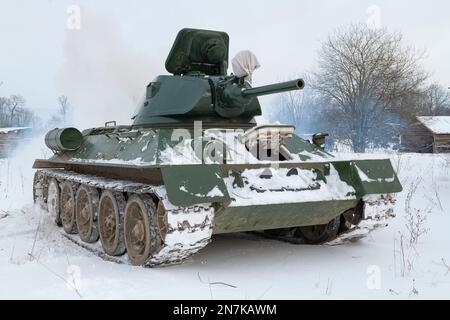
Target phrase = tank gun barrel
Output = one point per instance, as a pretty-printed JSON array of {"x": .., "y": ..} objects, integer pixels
[{"x": 298, "y": 84}]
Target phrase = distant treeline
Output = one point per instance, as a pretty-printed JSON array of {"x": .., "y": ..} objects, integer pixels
[{"x": 13, "y": 112}]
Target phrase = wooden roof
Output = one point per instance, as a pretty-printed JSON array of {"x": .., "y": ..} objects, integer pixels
[
  {"x": 437, "y": 125},
  {"x": 13, "y": 129}
]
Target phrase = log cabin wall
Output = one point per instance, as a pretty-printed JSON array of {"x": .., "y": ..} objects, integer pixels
[
  {"x": 10, "y": 140},
  {"x": 441, "y": 143},
  {"x": 421, "y": 139},
  {"x": 417, "y": 139}
]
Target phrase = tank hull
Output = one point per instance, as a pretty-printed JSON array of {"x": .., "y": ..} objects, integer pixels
[
  {"x": 279, "y": 216},
  {"x": 321, "y": 189}
]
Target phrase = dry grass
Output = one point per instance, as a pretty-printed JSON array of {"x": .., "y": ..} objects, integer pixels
[{"x": 405, "y": 247}]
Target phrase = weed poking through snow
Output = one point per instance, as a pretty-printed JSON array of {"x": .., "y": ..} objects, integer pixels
[{"x": 407, "y": 252}]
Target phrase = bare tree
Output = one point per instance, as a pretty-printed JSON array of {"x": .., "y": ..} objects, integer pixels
[
  {"x": 434, "y": 101},
  {"x": 14, "y": 114},
  {"x": 303, "y": 108},
  {"x": 15, "y": 102},
  {"x": 3, "y": 114},
  {"x": 25, "y": 117},
  {"x": 364, "y": 73},
  {"x": 64, "y": 108},
  {"x": 292, "y": 108}
]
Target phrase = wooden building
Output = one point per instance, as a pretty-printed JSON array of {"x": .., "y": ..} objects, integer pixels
[
  {"x": 10, "y": 138},
  {"x": 427, "y": 135}
]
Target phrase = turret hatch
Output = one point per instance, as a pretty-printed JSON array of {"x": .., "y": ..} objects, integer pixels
[{"x": 202, "y": 51}]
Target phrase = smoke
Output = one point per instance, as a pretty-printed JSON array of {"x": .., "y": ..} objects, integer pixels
[
  {"x": 102, "y": 77},
  {"x": 16, "y": 173}
]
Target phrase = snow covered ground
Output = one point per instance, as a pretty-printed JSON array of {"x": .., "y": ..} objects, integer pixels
[{"x": 37, "y": 262}]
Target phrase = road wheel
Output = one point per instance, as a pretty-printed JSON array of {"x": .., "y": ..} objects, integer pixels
[
  {"x": 110, "y": 222},
  {"x": 67, "y": 212},
  {"x": 53, "y": 200},
  {"x": 319, "y": 234},
  {"x": 86, "y": 214},
  {"x": 142, "y": 238}
]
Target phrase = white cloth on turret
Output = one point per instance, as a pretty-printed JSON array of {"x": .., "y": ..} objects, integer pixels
[{"x": 244, "y": 64}]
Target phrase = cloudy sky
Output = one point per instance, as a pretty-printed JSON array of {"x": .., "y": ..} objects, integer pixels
[{"x": 121, "y": 45}]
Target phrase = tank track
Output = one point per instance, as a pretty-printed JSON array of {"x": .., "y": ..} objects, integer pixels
[
  {"x": 189, "y": 228},
  {"x": 378, "y": 212}
]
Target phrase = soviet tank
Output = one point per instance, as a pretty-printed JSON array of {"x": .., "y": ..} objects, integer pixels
[{"x": 194, "y": 164}]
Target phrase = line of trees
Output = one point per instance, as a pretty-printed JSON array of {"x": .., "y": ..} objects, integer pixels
[
  {"x": 13, "y": 112},
  {"x": 368, "y": 88}
]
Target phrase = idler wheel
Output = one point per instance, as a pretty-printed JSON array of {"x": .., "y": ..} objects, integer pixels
[
  {"x": 110, "y": 222},
  {"x": 68, "y": 208},
  {"x": 86, "y": 214},
  {"x": 142, "y": 238},
  {"x": 53, "y": 200},
  {"x": 319, "y": 234},
  {"x": 352, "y": 217}
]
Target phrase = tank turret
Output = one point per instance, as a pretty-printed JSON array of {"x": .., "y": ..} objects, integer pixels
[{"x": 199, "y": 87}]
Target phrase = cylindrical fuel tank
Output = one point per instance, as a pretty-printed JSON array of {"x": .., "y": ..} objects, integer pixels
[{"x": 67, "y": 139}]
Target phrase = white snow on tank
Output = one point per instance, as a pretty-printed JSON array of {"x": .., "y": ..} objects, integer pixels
[
  {"x": 365, "y": 178},
  {"x": 303, "y": 187},
  {"x": 134, "y": 162},
  {"x": 182, "y": 153},
  {"x": 214, "y": 192}
]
